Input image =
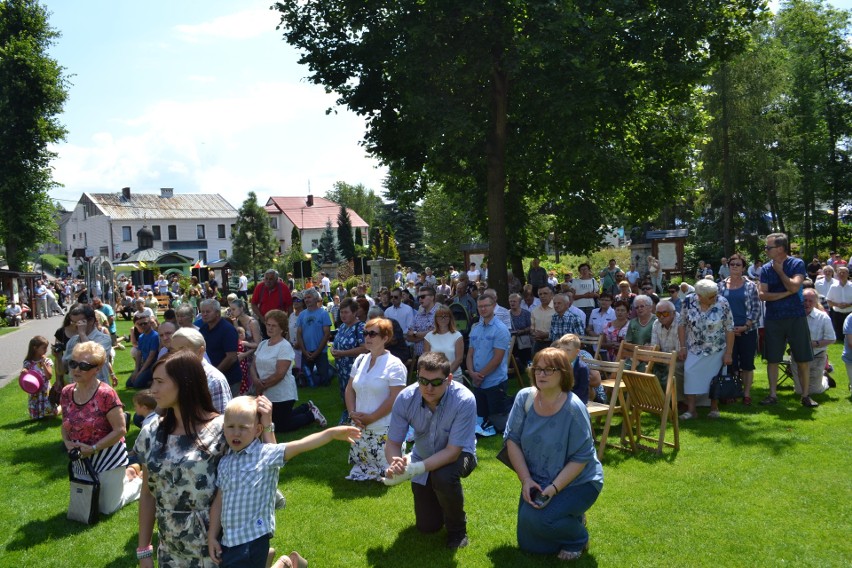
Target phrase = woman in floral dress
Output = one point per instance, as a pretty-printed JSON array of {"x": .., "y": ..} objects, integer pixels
[
  {"x": 615, "y": 331},
  {"x": 377, "y": 378},
  {"x": 179, "y": 454},
  {"x": 348, "y": 344},
  {"x": 38, "y": 363}
]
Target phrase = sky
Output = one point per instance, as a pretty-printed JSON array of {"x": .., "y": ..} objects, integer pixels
[{"x": 202, "y": 97}]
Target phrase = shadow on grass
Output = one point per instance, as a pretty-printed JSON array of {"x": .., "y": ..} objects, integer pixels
[
  {"x": 512, "y": 557},
  {"x": 129, "y": 552},
  {"x": 411, "y": 541},
  {"x": 30, "y": 426},
  {"x": 43, "y": 530}
]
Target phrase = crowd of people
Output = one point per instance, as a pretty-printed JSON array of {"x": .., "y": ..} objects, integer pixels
[{"x": 215, "y": 380}]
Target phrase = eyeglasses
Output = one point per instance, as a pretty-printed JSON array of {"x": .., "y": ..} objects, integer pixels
[
  {"x": 82, "y": 365},
  {"x": 544, "y": 371},
  {"x": 768, "y": 248},
  {"x": 735, "y": 264},
  {"x": 396, "y": 297},
  {"x": 371, "y": 333},
  {"x": 143, "y": 323},
  {"x": 434, "y": 382},
  {"x": 443, "y": 316},
  {"x": 664, "y": 313},
  {"x": 425, "y": 296},
  {"x": 648, "y": 289}
]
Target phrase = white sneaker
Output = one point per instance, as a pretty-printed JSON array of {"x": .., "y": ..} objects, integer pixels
[{"x": 317, "y": 414}]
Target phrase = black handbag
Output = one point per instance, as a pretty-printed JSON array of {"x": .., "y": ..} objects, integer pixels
[
  {"x": 85, "y": 493},
  {"x": 725, "y": 385}
]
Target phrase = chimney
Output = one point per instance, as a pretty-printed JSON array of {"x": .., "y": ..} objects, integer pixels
[
  {"x": 167, "y": 192},
  {"x": 310, "y": 200},
  {"x": 125, "y": 193}
]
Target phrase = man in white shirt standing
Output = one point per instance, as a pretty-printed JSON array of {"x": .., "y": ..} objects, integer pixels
[
  {"x": 402, "y": 313},
  {"x": 326, "y": 286},
  {"x": 242, "y": 289}
]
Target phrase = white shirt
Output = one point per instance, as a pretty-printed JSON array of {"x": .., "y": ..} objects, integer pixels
[
  {"x": 404, "y": 315},
  {"x": 840, "y": 294},
  {"x": 587, "y": 286},
  {"x": 503, "y": 315},
  {"x": 372, "y": 386},
  {"x": 266, "y": 359},
  {"x": 473, "y": 275},
  {"x": 579, "y": 313},
  {"x": 445, "y": 343},
  {"x": 326, "y": 285},
  {"x": 822, "y": 285},
  {"x": 820, "y": 325},
  {"x": 598, "y": 319},
  {"x": 536, "y": 303},
  {"x": 243, "y": 283}
]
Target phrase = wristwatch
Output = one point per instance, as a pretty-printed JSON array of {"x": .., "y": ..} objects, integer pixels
[{"x": 270, "y": 428}]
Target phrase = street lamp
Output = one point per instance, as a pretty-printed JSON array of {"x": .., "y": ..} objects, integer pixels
[{"x": 250, "y": 236}]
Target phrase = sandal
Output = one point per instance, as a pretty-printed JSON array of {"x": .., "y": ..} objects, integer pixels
[
  {"x": 808, "y": 402},
  {"x": 714, "y": 414},
  {"x": 746, "y": 401},
  {"x": 769, "y": 401},
  {"x": 687, "y": 416}
]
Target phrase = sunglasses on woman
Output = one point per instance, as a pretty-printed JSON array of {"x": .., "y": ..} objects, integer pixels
[
  {"x": 371, "y": 333},
  {"x": 82, "y": 365}
]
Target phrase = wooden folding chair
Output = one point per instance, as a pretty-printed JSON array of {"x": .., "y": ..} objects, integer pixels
[
  {"x": 626, "y": 353},
  {"x": 592, "y": 344},
  {"x": 613, "y": 369},
  {"x": 646, "y": 395},
  {"x": 513, "y": 365}
]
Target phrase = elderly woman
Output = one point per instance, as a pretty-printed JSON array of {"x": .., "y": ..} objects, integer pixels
[
  {"x": 521, "y": 327},
  {"x": 272, "y": 375},
  {"x": 348, "y": 344},
  {"x": 445, "y": 339},
  {"x": 706, "y": 335},
  {"x": 639, "y": 328},
  {"x": 549, "y": 441},
  {"x": 93, "y": 423},
  {"x": 824, "y": 281},
  {"x": 742, "y": 296},
  {"x": 377, "y": 378},
  {"x": 615, "y": 330},
  {"x": 839, "y": 298}
]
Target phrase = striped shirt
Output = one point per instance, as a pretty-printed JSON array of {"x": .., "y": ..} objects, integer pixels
[{"x": 248, "y": 480}]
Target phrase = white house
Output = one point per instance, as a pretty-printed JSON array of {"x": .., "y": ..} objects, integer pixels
[
  {"x": 105, "y": 224},
  {"x": 309, "y": 215}
]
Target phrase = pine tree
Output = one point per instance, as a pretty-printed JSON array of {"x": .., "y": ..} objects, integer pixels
[
  {"x": 295, "y": 239},
  {"x": 327, "y": 250},
  {"x": 359, "y": 240},
  {"x": 345, "y": 244},
  {"x": 254, "y": 242}
]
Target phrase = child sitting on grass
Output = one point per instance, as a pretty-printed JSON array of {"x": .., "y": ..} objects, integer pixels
[
  {"x": 144, "y": 406},
  {"x": 247, "y": 478}
]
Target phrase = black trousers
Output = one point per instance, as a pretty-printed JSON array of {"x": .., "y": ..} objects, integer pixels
[{"x": 441, "y": 501}]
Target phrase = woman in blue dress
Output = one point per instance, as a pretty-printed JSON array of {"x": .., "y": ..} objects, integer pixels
[
  {"x": 550, "y": 444},
  {"x": 348, "y": 344}
]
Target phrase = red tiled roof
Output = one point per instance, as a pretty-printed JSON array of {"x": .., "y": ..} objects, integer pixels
[{"x": 314, "y": 217}]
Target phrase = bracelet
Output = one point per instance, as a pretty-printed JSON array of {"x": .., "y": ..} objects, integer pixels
[
  {"x": 554, "y": 486},
  {"x": 144, "y": 552}
]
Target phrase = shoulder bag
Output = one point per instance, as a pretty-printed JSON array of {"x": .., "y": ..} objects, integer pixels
[{"x": 503, "y": 454}]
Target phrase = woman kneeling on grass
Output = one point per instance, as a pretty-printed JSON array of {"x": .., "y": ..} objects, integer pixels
[{"x": 550, "y": 445}]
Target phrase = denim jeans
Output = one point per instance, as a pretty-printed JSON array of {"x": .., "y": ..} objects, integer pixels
[
  {"x": 559, "y": 526},
  {"x": 251, "y": 554},
  {"x": 318, "y": 371},
  {"x": 493, "y": 404},
  {"x": 441, "y": 501}
]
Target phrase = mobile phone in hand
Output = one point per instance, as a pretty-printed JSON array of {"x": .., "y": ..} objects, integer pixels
[{"x": 539, "y": 498}]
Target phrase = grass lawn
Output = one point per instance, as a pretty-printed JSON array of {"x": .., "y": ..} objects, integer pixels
[
  {"x": 8, "y": 329},
  {"x": 759, "y": 487}
]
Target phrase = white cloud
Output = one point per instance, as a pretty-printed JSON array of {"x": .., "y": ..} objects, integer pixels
[{"x": 239, "y": 25}]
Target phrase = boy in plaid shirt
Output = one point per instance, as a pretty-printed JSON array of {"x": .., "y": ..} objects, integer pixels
[{"x": 247, "y": 478}]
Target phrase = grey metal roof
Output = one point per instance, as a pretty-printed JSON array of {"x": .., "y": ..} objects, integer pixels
[
  {"x": 667, "y": 234},
  {"x": 153, "y": 256},
  {"x": 153, "y": 206}
]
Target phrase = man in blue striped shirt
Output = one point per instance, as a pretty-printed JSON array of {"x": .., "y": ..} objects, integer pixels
[{"x": 247, "y": 477}]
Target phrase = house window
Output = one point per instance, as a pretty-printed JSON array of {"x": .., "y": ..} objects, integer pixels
[
  {"x": 172, "y": 232},
  {"x": 156, "y": 230},
  {"x": 202, "y": 255},
  {"x": 125, "y": 234},
  {"x": 273, "y": 223},
  {"x": 223, "y": 254},
  {"x": 199, "y": 230},
  {"x": 220, "y": 229},
  {"x": 104, "y": 251}
]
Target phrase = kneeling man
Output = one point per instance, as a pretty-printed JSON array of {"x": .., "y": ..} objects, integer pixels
[
  {"x": 822, "y": 335},
  {"x": 443, "y": 415}
]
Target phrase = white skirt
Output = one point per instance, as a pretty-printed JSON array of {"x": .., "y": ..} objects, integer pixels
[{"x": 699, "y": 370}]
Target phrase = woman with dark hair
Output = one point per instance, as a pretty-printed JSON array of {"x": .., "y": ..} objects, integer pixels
[
  {"x": 549, "y": 441},
  {"x": 348, "y": 344},
  {"x": 179, "y": 454},
  {"x": 362, "y": 308},
  {"x": 743, "y": 299},
  {"x": 615, "y": 331}
]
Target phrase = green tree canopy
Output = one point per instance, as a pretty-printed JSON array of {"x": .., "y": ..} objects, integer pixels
[
  {"x": 345, "y": 241},
  {"x": 33, "y": 91},
  {"x": 358, "y": 198},
  {"x": 254, "y": 242},
  {"x": 327, "y": 249}
]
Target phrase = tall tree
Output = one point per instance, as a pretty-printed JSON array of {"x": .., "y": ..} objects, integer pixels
[
  {"x": 345, "y": 242},
  {"x": 295, "y": 238},
  {"x": 33, "y": 91},
  {"x": 358, "y": 198},
  {"x": 586, "y": 104},
  {"x": 253, "y": 240},
  {"x": 327, "y": 249}
]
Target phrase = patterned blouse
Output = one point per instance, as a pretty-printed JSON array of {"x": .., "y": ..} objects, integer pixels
[
  {"x": 347, "y": 337},
  {"x": 705, "y": 330}
]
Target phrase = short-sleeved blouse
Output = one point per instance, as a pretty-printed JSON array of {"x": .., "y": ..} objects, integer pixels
[
  {"x": 266, "y": 359},
  {"x": 182, "y": 479},
  {"x": 445, "y": 343},
  {"x": 614, "y": 335},
  {"x": 372, "y": 386},
  {"x": 87, "y": 423},
  {"x": 705, "y": 330},
  {"x": 347, "y": 337}
]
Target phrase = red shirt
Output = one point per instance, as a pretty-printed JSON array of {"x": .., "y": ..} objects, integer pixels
[
  {"x": 277, "y": 298},
  {"x": 88, "y": 422}
]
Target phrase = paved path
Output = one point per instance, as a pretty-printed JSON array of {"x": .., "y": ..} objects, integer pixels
[{"x": 13, "y": 345}]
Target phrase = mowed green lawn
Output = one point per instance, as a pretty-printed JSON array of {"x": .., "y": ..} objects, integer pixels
[{"x": 759, "y": 487}]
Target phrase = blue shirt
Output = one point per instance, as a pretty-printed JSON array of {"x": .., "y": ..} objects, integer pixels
[
  {"x": 248, "y": 480},
  {"x": 107, "y": 310},
  {"x": 581, "y": 379},
  {"x": 147, "y": 343},
  {"x": 550, "y": 442},
  {"x": 312, "y": 322},
  {"x": 791, "y": 306},
  {"x": 484, "y": 339},
  {"x": 221, "y": 340},
  {"x": 847, "y": 330},
  {"x": 452, "y": 424}
]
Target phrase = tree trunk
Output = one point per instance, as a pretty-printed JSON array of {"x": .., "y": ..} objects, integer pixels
[
  {"x": 495, "y": 149},
  {"x": 727, "y": 189}
]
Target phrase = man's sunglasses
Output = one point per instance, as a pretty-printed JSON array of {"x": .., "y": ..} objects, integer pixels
[
  {"x": 82, "y": 365},
  {"x": 434, "y": 382}
]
